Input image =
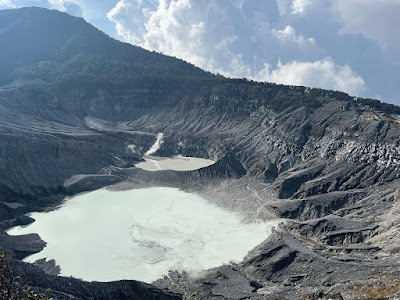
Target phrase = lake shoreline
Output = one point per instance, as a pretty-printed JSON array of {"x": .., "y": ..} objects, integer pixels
[{"x": 145, "y": 233}]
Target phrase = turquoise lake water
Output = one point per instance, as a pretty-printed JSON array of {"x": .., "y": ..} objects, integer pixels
[{"x": 141, "y": 234}]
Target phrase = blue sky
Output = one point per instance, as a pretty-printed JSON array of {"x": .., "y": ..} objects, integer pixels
[{"x": 347, "y": 45}]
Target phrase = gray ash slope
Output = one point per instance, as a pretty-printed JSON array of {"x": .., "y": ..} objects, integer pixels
[{"x": 78, "y": 109}]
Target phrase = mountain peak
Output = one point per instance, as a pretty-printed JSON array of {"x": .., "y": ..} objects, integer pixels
[{"x": 42, "y": 42}]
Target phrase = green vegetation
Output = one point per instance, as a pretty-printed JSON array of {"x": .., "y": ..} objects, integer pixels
[
  {"x": 380, "y": 106},
  {"x": 10, "y": 283},
  {"x": 53, "y": 45},
  {"x": 68, "y": 53}
]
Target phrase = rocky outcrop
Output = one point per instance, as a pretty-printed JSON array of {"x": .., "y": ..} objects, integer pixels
[
  {"x": 21, "y": 245},
  {"x": 71, "y": 288},
  {"x": 82, "y": 183},
  {"x": 317, "y": 206},
  {"x": 19, "y": 221},
  {"x": 284, "y": 268}
]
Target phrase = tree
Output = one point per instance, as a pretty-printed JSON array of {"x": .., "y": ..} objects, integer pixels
[{"x": 10, "y": 282}]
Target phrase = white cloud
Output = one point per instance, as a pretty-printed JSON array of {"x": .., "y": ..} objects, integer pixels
[
  {"x": 175, "y": 29},
  {"x": 377, "y": 20},
  {"x": 284, "y": 6},
  {"x": 220, "y": 37},
  {"x": 6, "y": 4},
  {"x": 238, "y": 37},
  {"x": 299, "y": 6},
  {"x": 293, "y": 7},
  {"x": 73, "y": 8},
  {"x": 130, "y": 18},
  {"x": 201, "y": 32},
  {"x": 322, "y": 73},
  {"x": 70, "y": 6},
  {"x": 288, "y": 34}
]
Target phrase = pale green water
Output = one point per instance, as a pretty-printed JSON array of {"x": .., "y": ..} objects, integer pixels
[
  {"x": 141, "y": 234},
  {"x": 177, "y": 163}
]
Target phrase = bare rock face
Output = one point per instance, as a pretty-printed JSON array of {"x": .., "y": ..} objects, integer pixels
[
  {"x": 22, "y": 245},
  {"x": 48, "y": 266},
  {"x": 78, "y": 110},
  {"x": 81, "y": 183},
  {"x": 71, "y": 288}
]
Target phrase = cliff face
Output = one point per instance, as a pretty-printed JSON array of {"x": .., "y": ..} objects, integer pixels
[{"x": 78, "y": 109}]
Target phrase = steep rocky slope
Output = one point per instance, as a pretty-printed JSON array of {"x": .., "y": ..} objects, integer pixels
[{"x": 78, "y": 109}]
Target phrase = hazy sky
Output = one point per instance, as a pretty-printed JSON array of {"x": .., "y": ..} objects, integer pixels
[{"x": 347, "y": 45}]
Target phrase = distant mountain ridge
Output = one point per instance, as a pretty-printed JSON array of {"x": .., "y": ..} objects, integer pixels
[
  {"x": 58, "y": 48},
  {"x": 40, "y": 41}
]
